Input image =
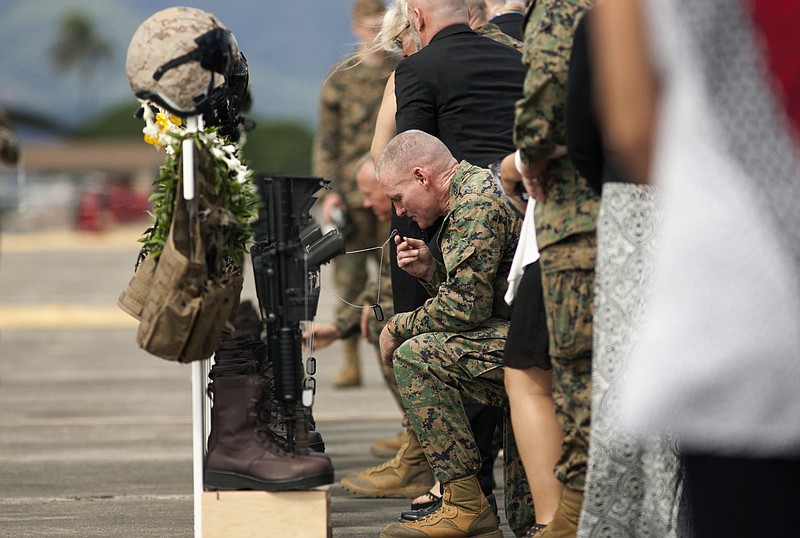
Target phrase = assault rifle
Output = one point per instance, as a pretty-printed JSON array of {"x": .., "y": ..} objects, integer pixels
[{"x": 288, "y": 252}]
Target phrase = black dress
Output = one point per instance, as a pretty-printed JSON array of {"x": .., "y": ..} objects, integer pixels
[{"x": 527, "y": 344}]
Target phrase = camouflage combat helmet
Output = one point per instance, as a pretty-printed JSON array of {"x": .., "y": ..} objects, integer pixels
[{"x": 178, "y": 56}]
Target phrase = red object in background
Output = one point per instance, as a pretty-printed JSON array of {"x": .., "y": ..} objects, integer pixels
[
  {"x": 90, "y": 212},
  {"x": 779, "y": 24},
  {"x": 102, "y": 206},
  {"x": 125, "y": 204}
]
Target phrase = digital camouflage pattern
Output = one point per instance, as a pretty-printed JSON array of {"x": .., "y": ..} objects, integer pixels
[
  {"x": 572, "y": 205},
  {"x": 454, "y": 343},
  {"x": 573, "y": 410},
  {"x": 492, "y": 31},
  {"x": 437, "y": 373},
  {"x": 348, "y": 108},
  {"x": 478, "y": 239},
  {"x": 568, "y": 288},
  {"x": 162, "y": 37},
  {"x": 520, "y": 512},
  {"x": 565, "y": 224}
]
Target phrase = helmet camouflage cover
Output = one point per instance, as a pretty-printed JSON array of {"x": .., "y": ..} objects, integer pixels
[{"x": 178, "y": 56}]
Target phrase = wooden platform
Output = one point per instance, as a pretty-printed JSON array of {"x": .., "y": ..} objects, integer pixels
[{"x": 245, "y": 514}]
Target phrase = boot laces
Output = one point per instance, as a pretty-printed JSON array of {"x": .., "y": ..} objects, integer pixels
[{"x": 259, "y": 410}]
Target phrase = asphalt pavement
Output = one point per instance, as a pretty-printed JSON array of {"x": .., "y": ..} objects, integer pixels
[{"x": 95, "y": 434}]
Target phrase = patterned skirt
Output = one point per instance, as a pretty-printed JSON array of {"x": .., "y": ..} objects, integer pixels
[{"x": 633, "y": 485}]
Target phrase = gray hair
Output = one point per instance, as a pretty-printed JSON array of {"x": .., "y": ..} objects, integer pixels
[{"x": 409, "y": 149}]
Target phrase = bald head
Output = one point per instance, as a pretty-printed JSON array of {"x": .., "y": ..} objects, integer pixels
[
  {"x": 374, "y": 198},
  {"x": 415, "y": 171},
  {"x": 477, "y": 13},
  {"x": 496, "y": 7},
  {"x": 409, "y": 149},
  {"x": 428, "y": 17}
]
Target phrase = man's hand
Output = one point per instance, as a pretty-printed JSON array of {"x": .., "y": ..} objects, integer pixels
[
  {"x": 330, "y": 201},
  {"x": 414, "y": 257},
  {"x": 534, "y": 177},
  {"x": 324, "y": 334},
  {"x": 389, "y": 344}
]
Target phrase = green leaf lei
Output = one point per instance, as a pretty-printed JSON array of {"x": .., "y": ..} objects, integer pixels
[{"x": 232, "y": 182}]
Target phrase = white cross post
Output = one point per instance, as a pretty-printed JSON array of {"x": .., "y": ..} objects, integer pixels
[{"x": 201, "y": 409}]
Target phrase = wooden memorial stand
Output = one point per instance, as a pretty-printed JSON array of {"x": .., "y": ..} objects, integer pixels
[
  {"x": 241, "y": 514},
  {"x": 258, "y": 514}
]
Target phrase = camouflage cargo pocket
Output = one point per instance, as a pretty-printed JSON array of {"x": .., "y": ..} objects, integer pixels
[{"x": 568, "y": 284}]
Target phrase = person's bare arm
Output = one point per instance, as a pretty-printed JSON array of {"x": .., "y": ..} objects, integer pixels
[
  {"x": 385, "y": 126},
  {"x": 627, "y": 89}
]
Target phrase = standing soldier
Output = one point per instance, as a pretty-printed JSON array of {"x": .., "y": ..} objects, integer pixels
[
  {"x": 349, "y": 104},
  {"x": 565, "y": 217}
]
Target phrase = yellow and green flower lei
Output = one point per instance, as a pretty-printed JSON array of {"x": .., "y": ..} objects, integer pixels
[{"x": 232, "y": 180}]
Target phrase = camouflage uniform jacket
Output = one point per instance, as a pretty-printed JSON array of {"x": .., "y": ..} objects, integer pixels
[
  {"x": 349, "y": 322},
  {"x": 348, "y": 108},
  {"x": 571, "y": 206},
  {"x": 492, "y": 31},
  {"x": 478, "y": 239}
]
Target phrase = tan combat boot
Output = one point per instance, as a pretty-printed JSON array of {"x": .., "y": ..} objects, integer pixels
[
  {"x": 406, "y": 475},
  {"x": 565, "y": 520},
  {"x": 350, "y": 374},
  {"x": 464, "y": 512},
  {"x": 388, "y": 447}
]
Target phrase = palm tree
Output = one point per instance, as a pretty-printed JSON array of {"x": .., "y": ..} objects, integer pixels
[{"x": 78, "y": 46}]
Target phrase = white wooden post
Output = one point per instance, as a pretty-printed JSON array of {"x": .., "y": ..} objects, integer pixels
[{"x": 201, "y": 409}]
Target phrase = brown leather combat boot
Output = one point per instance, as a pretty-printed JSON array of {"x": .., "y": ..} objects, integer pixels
[
  {"x": 243, "y": 455},
  {"x": 464, "y": 512}
]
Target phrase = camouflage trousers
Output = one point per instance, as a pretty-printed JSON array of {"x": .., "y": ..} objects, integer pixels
[
  {"x": 391, "y": 383},
  {"x": 568, "y": 286},
  {"x": 438, "y": 373}
]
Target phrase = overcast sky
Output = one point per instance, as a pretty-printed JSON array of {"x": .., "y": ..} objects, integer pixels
[{"x": 290, "y": 45}]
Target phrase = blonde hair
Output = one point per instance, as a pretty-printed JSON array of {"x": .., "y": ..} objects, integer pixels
[{"x": 395, "y": 21}]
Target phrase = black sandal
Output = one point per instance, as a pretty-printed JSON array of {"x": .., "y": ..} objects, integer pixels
[
  {"x": 534, "y": 531},
  {"x": 429, "y": 508},
  {"x": 432, "y": 499}
]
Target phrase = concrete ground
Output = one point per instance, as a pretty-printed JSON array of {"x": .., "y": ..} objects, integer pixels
[{"x": 95, "y": 434}]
